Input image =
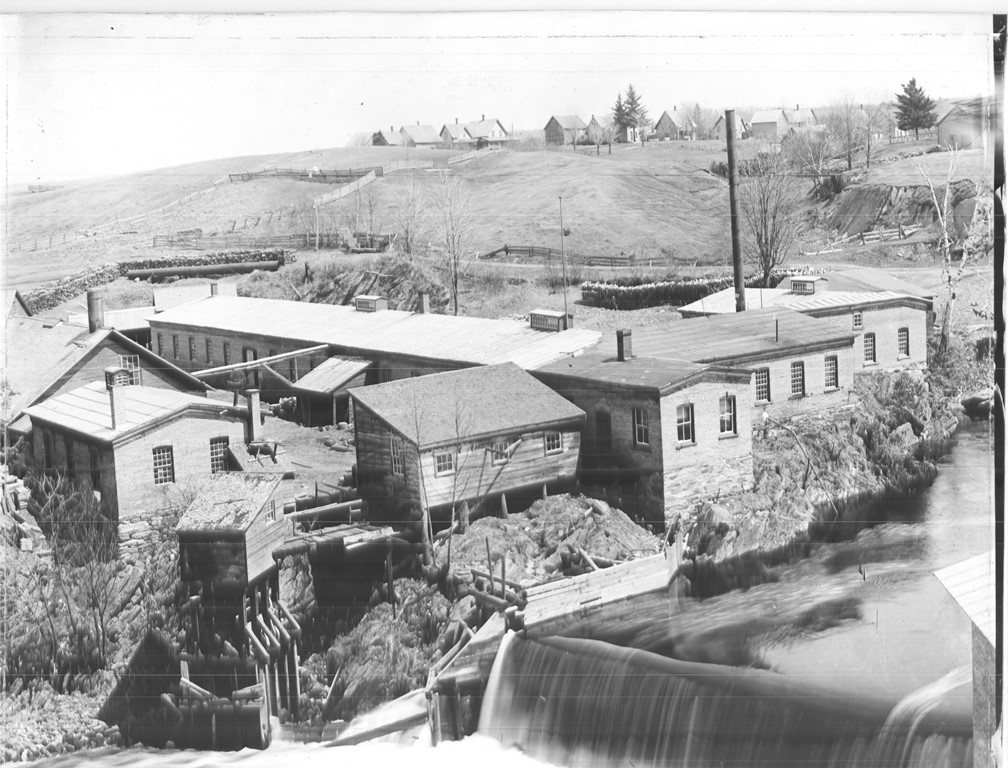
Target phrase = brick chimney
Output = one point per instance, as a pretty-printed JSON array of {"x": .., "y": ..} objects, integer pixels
[
  {"x": 95, "y": 310},
  {"x": 482, "y": 118},
  {"x": 423, "y": 303},
  {"x": 456, "y": 121},
  {"x": 255, "y": 416},
  {"x": 624, "y": 346},
  {"x": 117, "y": 382}
]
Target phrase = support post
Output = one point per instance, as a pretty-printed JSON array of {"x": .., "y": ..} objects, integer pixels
[{"x": 733, "y": 202}]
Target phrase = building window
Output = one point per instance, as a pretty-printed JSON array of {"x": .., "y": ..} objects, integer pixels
[
  {"x": 95, "y": 469},
  {"x": 553, "y": 442},
  {"x": 272, "y": 353},
  {"x": 499, "y": 453},
  {"x": 271, "y": 512},
  {"x": 903, "y": 342},
  {"x": 292, "y": 369},
  {"x": 175, "y": 346},
  {"x": 603, "y": 430},
  {"x": 444, "y": 463},
  {"x": 227, "y": 353},
  {"x": 49, "y": 451},
  {"x": 218, "y": 454},
  {"x": 797, "y": 378},
  {"x": 763, "y": 385},
  {"x": 132, "y": 364},
  {"x": 160, "y": 344},
  {"x": 832, "y": 373},
  {"x": 684, "y": 424},
  {"x": 209, "y": 353},
  {"x": 858, "y": 319},
  {"x": 70, "y": 465},
  {"x": 802, "y": 286},
  {"x": 869, "y": 348},
  {"x": 385, "y": 374},
  {"x": 728, "y": 426},
  {"x": 192, "y": 349},
  {"x": 398, "y": 465},
  {"x": 164, "y": 465},
  {"x": 641, "y": 431}
]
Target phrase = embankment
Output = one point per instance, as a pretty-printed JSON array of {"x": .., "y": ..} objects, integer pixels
[{"x": 864, "y": 207}]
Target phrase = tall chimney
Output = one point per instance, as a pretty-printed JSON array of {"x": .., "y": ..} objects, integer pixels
[
  {"x": 776, "y": 328},
  {"x": 624, "y": 345},
  {"x": 456, "y": 121},
  {"x": 255, "y": 417},
  {"x": 733, "y": 203},
  {"x": 95, "y": 310},
  {"x": 423, "y": 303},
  {"x": 116, "y": 381},
  {"x": 482, "y": 118},
  {"x": 213, "y": 289}
]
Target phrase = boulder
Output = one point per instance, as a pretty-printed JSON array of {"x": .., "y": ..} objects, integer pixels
[{"x": 903, "y": 436}]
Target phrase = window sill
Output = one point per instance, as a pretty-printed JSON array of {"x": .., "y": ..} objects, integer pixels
[
  {"x": 729, "y": 436},
  {"x": 759, "y": 403},
  {"x": 798, "y": 397},
  {"x": 643, "y": 447},
  {"x": 828, "y": 390},
  {"x": 554, "y": 453},
  {"x": 681, "y": 445},
  {"x": 870, "y": 365},
  {"x": 444, "y": 474},
  {"x": 902, "y": 357}
]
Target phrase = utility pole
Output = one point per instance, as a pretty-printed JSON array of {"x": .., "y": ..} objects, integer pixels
[
  {"x": 736, "y": 240},
  {"x": 316, "y": 228},
  {"x": 563, "y": 261}
]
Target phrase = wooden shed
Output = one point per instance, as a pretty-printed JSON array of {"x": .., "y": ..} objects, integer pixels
[
  {"x": 228, "y": 532},
  {"x": 564, "y": 129}
]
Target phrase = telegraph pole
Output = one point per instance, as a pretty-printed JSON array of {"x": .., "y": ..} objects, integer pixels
[
  {"x": 563, "y": 261},
  {"x": 736, "y": 241}
]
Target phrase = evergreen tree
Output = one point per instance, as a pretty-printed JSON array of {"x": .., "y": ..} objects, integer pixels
[
  {"x": 636, "y": 112},
  {"x": 620, "y": 117},
  {"x": 914, "y": 110}
]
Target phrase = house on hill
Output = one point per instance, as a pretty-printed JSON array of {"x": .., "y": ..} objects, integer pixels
[
  {"x": 44, "y": 358},
  {"x": 455, "y": 136},
  {"x": 674, "y": 127},
  {"x": 488, "y": 132},
  {"x": 564, "y": 129},
  {"x": 966, "y": 124},
  {"x": 228, "y": 532},
  {"x": 742, "y": 128},
  {"x": 492, "y": 437},
  {"x": 389, "y": 138},
  {"x": 598, "y": 131},
  {"x": 661, "y": 434},
  {"x": 420, "y": 136},
  {"x": 802, "y": 118},
  {"x": 770, "y": 124},
  {"x": 131, "y": 444}
]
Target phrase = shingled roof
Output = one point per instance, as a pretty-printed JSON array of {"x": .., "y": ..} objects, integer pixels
[
  {"x": 229, "y": 501},
  {"x": 569, "y": 122},
  {"x": 473, "y": 402}
]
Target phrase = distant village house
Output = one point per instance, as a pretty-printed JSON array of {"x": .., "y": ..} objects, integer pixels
[{"x": 564, "y": 129}]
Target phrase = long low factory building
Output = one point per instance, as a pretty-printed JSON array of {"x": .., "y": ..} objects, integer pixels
[{"x": 350, "y": 345}]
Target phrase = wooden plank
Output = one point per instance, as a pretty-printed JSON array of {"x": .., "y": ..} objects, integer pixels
[{"x": 261, "y": 361}]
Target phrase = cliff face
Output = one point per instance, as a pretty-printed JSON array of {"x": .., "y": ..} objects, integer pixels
[{"x": 872, "y": 206}]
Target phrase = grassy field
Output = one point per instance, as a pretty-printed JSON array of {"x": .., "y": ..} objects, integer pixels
[{"x": 972, "y": 164}]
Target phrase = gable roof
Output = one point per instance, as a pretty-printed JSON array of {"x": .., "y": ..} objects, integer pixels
[
  {"x": 88, "y": 412},
  {"x": 421, "y": 134},
  {"x": 390, "y": 137},
  {"x": 768, "y": 116},
  {"x": 568, "y": 122},
  {"x": 805, "y": 115},
  {"x": 229, "y": 501},
  {"x": 458, "y": 339},
  {"x": 40, "y": 353},
  {"x": 456, "y": 132},
  {"x": 738, "y": 337},
  {"x": 489, "y": 400},
  {"x": 600, "y": 365},
  {"x": 481, "y": 129}
]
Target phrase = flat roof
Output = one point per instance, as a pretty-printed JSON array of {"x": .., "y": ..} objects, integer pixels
[
  {"x": 466, "y": 340},
  {"x": 128, "y": 319},
  {"x": 330, "y": 375},
  {"x": 662, "y": 375},
  {"x": 87, "y": 410},
  {"x": 170, "y": 296},
  {"x": 971, "y": 584},
  {"x": 738, "y": 336},
  {"x": 229, "y": 501},
  {"x": 723, "y": 302},
  {"x": 447, "y": 408}
]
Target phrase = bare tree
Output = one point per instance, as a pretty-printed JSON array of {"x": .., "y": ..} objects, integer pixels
[
  {"x": 455, "y": 225},
  {"x": 845, "y": 123},
  {"x": 371, "y": 200},
  {"x": 770, "y": 199},
  {"x": 876, "y": 118},
  {"x": 410, "y": 215},
  {"x": 809, "y": 152}
]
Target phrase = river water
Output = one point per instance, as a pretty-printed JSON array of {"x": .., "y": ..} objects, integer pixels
[{"x": 862, "y": 619}]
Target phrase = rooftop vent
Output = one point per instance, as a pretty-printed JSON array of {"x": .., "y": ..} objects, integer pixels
[
  {"x": 804, "y": 284},
  {"x": 550, "y": 320},
  {"x": 370, "y": 303}
]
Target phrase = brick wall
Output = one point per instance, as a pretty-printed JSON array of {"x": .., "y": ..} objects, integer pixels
[
  {"x": 713, "y": 462},
  {"x": 816, "y": 398},
  {"x": 885, "y": 324}
]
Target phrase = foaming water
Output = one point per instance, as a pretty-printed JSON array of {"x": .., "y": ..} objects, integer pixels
[{"x": 586, "y": 703}]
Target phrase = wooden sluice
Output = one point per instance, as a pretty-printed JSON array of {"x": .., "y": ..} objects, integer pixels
[{"x": 456, "y": 684}]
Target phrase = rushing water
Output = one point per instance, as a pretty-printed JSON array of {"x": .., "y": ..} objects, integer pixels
[{"x": 857, "y": 640}]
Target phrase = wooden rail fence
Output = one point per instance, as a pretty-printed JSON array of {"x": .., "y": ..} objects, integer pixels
[
  {"x": 472, "y": 155},
  {"x": 542, "y": 253}
]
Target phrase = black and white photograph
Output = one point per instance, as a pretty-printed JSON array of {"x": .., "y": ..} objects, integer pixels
[{"x": 582, "y": 388}]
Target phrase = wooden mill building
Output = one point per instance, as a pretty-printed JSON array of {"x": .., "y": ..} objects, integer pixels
[{"x": 491, "y": 437}]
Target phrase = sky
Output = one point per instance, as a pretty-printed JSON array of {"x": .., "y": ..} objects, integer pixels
[{"x": 92, "y": 94}]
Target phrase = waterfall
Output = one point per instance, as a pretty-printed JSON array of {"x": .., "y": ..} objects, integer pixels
[{"x": 577, "y": 702}]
